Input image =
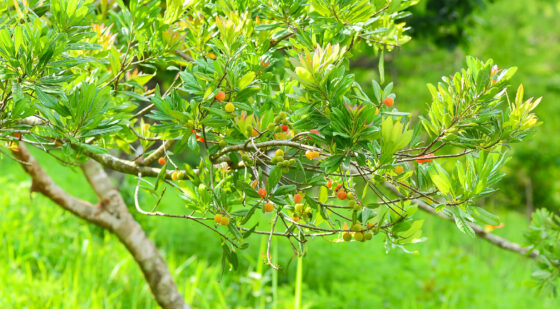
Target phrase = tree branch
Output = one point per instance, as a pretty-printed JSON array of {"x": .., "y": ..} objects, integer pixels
[
  {"x": 111, "y": 213},
  {"x": 480, "y": 232}
]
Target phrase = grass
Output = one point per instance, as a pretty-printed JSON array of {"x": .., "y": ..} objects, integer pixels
[{"x": 52, "y": 259}]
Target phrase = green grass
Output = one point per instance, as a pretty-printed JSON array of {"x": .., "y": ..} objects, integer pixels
[{"x": 51, "y": 259}]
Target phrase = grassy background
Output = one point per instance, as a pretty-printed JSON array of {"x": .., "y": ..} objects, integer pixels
[{"x": 51, "y": 259}]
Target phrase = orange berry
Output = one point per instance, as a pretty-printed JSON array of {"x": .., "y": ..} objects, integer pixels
[
  {"x": 268, "y": 207},
  {"x": 217, "y": 218},
  {"x": 399, "y": 169},
  {"x": 298, "y": 198},
  {"x": 389, "y": 101},
  {"x": 309, "y": 154},
  {"x": 224, "y": 221},
  {"x": 424, "y": 158},
  {"x": 175, "y": 176},
  {"x": 338, "y": 187},
  {"x": 329, "y": 184},
  {"x": 262, "y": 192},
  {"x": 161, "y": 161},
  {"x": 341, "y": 195},
  {"x": 221, "y": 96},
  {"x": 296, "y": 219},
  {"x": 254, "y": 184}
]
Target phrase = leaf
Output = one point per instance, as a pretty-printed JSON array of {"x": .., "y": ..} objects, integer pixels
[
  {"x": 246, "y": 80},
  {"x": 324, "y": 194},
  {"x": 273, "y": 178}
]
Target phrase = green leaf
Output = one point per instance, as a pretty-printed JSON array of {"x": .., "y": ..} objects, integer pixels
[
  {"x": 273, "y": 178},
  {"x": 324, "y": 194}
]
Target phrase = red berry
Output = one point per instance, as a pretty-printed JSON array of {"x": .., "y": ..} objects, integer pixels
[
  {"x": 262, "y": 192},
  {"x": 161, "y": 161},
  {"x": 221, "y": 96},
  {"x": 285, "y": 127},
  {"x": 424, "y": 159},
  {"x": 389, "y": 101},
  {"x": 341, "y": 195},
  {"x": 338, "y": 187},
  {"x": 17, "y": 135},
  {"x": 314, "y": 131},
  {"x": 298, "y": 198}
]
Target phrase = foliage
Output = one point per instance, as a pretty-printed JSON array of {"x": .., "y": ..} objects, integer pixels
[
  {"x": 264, "y": 98},
  {"x": 67, "y": 273}
]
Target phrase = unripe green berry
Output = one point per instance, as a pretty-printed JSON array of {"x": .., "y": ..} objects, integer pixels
[
  {"x": 346, "y": 236},
  {"x": 359, "y": 236},
  {"x": 350, "y": 196},
  {"x": 299, "y": 208},
  {"x": 223, "y": 143},
  {"x": 292, "y": 161},
  {"x": 270, "y": 127},
  {"x": 282, "y": 115},
  {"x": 279, "y": 153},
  {"x": 356, "y": 227},
  {"x": 368, "y": 236}
]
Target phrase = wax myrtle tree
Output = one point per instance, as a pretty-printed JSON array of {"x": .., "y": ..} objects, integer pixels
[{"x": 248, "y": 111}]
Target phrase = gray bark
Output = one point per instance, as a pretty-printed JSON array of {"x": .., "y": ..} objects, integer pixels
[{"x": 112, "y": 214}]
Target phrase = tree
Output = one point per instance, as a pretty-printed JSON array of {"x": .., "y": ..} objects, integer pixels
[{"x": 248, "y": 112}]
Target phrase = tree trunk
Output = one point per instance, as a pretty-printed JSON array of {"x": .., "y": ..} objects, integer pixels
[{"x": 110, "y": 213}]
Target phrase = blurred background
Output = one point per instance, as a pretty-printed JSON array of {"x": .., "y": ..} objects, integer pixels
[{"x": 51, "y": 259}]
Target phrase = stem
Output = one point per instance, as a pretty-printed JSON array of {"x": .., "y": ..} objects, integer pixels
[{"x": 299, "y": 275}]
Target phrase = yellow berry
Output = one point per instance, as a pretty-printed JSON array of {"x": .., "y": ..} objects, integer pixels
[{"x": 230, "y": 108}]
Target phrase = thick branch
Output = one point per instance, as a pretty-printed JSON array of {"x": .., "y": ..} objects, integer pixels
[
  {"x": 112, "y": 214},
  {"x": 135, "y": 239}
]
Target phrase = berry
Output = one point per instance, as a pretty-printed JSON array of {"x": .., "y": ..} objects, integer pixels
[
  {"x": 389, "y": 101},
  {"x": 341, "y": 195},
  {"x": 270, "y": 127},
  {"x": 217, "y": 218},
  {"x": 224, "y": 221},
  {"x": 399, "y": 169},
  {"x": 221, "y": 96},
  {"x": 17, "y": 135},
  {"x": 181, "y": 175},
  {"x": 356, "y": 227},
  {"x": 423, "y": 159},
  {"x": 329, "y": 184},
  {"x": 262, "y": 192},
  {"x": 223, "y": 143},
  {"x": 359, "y": 236},
  {"x": 292, "y": 161},
  {"x": 268, "y": 207},
  {"x": 368, "y": 236},
  {"x": 285, "y": 127},
  {"x": 282, "y": 115},
  {"x": 338, "y": 187},
  {"x": 370, "y": 225},
  {"x": 346, "y": 236},
  {"x": 279, "y": 153},
  {"x": 296, "y": 219},
  {"x": 161, "y": 161},
  {"x": 175, "y": 176},
  {"x": 298, "y": 198},
  {"x": 350, "y": 195},
  {"x": 314, "y": 131},
  {"x": 230, "y": 108},
  {"x": 299, "y": 208},
  {"x": 211, "y": 55},
  {"x": 254, "y": 184}
]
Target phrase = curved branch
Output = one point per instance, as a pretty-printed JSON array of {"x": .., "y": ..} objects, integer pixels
[{"x": 480, "y": 232}]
